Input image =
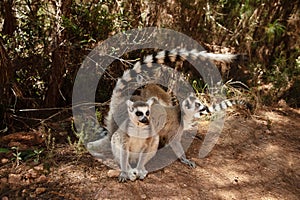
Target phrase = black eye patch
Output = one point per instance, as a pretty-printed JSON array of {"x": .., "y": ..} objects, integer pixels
[
  {"x": 187, "y": 105},
  {"x": 197, "y": 105},
  {"x": 139, "y": 113},
  {"x": 147, "y": 113},
  {"x": 205, "y": 108}
]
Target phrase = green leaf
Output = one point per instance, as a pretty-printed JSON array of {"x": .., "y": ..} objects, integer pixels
[{"x": 4, "y": 150}]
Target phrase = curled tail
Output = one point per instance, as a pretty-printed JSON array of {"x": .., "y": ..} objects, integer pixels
[
  {"x": 123, "y": 89},
  {"x": 166, "y": 56}
]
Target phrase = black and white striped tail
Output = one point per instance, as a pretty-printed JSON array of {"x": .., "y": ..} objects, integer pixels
[
  {"x": 223, "y": 106},
  {"x": 162, "y": 57},
  {"x": 172, "y": 56}
]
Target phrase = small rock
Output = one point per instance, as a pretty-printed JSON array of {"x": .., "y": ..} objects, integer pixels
[
  {"x": 39, "y": 167},
  {"x": 24, "y": 192},
  {"x": 40, "y": 190},
  {"x": 143, "y": 196},
  {"x": 3, "y": 180},
  {"x": 93, "y": 178},
  {"x": 113, "y": 173},
  {"x": 14, "y": 178},
  {"x": 42, "y": 178},
  {"x": 4, "y": 160},
  {"x": 32, "y": 173}
]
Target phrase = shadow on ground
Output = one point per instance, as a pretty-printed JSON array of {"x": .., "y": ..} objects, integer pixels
[{"x": 254, "y": 158}]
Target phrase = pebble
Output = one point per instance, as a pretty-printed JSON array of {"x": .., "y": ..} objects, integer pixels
[
  {"x": 112, "y": 173},
  {"x": 42, "y": 178},
  {"x": 40, "y": 190},
  {"x": 94, "y": 179},
  {"x": 3, "y": 180},
  {"x": 4, "y": 160},
  {"x": 32, "y": 173},
  {"x": 14, "y": 178},
  {"x": 24, "y": 192},
  {"x": 39, "y": 167}
]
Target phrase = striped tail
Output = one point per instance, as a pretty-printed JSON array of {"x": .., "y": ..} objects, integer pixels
[
  {"x": 118, "y": 98},
  {"x": 223, "y": 106},
  {"x": 163, "y": 57}
]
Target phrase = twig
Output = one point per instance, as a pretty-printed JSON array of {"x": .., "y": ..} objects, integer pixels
[{"x": 63, "y": 108}]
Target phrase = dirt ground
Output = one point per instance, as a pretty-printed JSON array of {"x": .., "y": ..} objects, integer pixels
[{"x": 257, "y": 157}]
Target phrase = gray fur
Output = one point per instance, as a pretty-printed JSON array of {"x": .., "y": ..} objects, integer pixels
[
  {"x": 135, "y": 143},
  {"x": 118, "y": 98},
  {"x": 118, "y": 114}
]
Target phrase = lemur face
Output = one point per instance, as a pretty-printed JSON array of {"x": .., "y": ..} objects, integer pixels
[
  {"x": 192, "y": 106},
  {"x": 139, "y": 112}
]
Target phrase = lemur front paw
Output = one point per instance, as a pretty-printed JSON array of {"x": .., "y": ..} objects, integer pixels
[
  {"x": 123, "y": 177},
  {"x": 133, "y": 174},
  {"x": 142, "y": 174}
]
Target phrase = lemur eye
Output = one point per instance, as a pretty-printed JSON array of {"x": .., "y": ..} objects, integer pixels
[
  {"x": 197, "y": 105},
  {"x": 138, "y": 113},
  {"x": 147, "y": 113}
]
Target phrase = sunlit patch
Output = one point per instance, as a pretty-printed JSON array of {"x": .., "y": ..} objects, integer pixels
[{"x": 270, "y": 149}]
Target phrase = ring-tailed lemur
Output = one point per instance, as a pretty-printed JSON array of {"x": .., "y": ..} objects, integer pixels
[
  {"x": 160, "y": 58},
  {"x": 170, "y": 121},
  {"x": 148, "y": 62},
  {"x": 181, "y": 117},
  {"x": 136, "y": 142}
]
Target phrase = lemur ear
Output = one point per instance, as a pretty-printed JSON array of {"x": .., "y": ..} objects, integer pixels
[
  {"x": 151, "y": 100},
  {"x": 129, "y": 105},
  {"x": 191, "y": 98}
]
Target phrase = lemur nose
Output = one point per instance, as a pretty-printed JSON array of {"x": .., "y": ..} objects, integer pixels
[{"x": 144, "y": 120}]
